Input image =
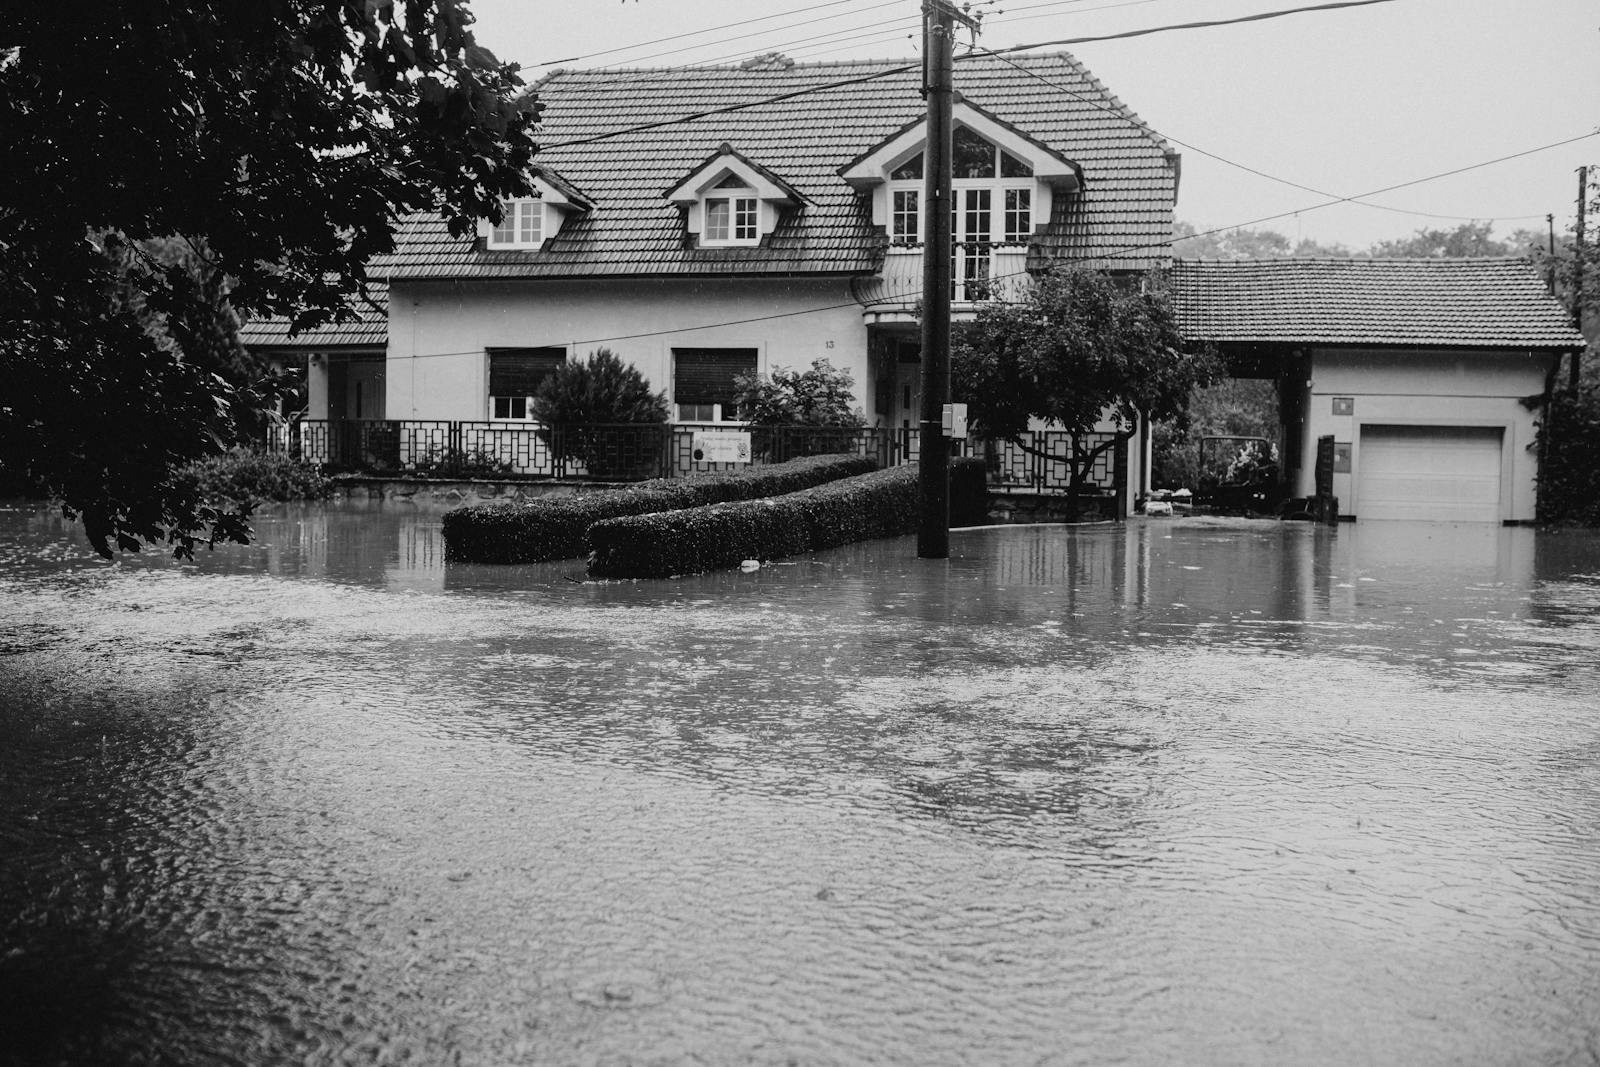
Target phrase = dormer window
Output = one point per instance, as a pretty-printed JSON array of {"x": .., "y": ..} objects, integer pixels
[
  {"x": 732, "y": 214},
  {"x": 521, "y": 225},
  {"x": 992, "y": 201},
  {"x": 1004, "y": 183},
  {"x": 730, "y": 200},
  {"x": 526, "y": 223}
]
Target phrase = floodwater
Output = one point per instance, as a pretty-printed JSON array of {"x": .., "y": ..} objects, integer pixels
[{"x": 1170, "y": 792}]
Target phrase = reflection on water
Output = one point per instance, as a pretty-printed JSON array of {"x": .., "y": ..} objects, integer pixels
[{"x": 1168, "y": 792}]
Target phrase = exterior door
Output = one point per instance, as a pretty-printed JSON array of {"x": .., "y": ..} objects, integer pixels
[{"x": 1439, "y": 473}]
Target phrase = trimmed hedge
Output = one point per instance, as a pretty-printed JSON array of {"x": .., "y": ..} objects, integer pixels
[
  {"x": 881, "y": 504},
  {"x": 550, "y": 528}
]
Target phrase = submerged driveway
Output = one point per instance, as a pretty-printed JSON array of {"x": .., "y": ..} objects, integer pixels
[{"x": 1174, "y": 791}]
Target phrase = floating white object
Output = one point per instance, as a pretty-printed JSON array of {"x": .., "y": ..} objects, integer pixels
[{"x": 750, "y": 565}]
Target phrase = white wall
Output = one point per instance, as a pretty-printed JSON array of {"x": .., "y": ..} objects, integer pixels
[
  {"x": 1398, "y": 387},
  {"x": 438, "y": 331}
]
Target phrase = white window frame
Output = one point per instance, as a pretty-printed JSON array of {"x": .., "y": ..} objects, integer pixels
[
  {"x": 742, "y": 224},
  {"x": 522, "y": 225},
  {"x": 719, "y": 413},
  {"x": 511, "y": 404},
  {"x": 972, "y": 254}
]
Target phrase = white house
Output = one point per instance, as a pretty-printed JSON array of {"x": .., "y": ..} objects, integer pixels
[
  {"x": 705, "y": 221},
  {"x": 1428, "y": 376}
]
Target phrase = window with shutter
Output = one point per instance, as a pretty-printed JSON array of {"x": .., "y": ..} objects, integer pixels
[
  {"x": 702, "y": 381},
  {"x": 514, "y": 376}
]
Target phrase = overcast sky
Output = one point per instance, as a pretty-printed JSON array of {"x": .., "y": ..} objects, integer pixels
[{"x": 1343, "y": 101}]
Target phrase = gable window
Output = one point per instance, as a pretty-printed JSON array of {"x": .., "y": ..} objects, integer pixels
[
  {"x": 991, "y": 204},
  {"x": 514, "y": 377},
  {"x": 732, "y": 214},
  {"x": 521, "y": 225},
  {"x": 702, "y": 381},
  {"x": 907, "y": 222},
  {"x": 1019, "y": 214}
]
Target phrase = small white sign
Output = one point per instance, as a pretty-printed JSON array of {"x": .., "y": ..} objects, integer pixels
[
  {"x": 954, "y": 421},
  {"x": 731, "y": 447}
]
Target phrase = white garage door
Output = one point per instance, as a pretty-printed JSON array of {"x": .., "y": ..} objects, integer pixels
[{"x": 1442, "y": 473}]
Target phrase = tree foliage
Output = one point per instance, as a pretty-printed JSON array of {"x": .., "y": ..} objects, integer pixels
[
  {"x": 581, "y": 408},
  {"x": 1233, "y": 407},
  {"x": 172, "y": 165},
  {"x": 1076, "y": 349},
  {"x": 601, "y": 390},
  {"x": 820, "y": 396}
]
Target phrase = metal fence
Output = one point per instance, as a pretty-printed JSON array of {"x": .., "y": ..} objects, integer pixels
[{"x": 623, "y": 452}]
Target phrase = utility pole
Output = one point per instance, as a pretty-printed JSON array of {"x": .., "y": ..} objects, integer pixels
[
  {"x": 938, "y": 86},
  {"x": 1577, "y": 278},
  {"x": 1550, "y": 255},
  {"x": 933, "y": 468}
]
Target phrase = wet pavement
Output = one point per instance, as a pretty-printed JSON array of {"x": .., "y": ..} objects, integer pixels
[{"x": 1176, "y": 791}]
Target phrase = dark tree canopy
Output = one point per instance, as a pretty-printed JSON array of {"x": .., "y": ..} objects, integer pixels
[
  {"x": 274, "y": 145},
  {"x": 1076, "y": 347}
]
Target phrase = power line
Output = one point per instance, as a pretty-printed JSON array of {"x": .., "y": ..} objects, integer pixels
[
  {"x": 996, "y": 53},
  {"x": 729, "y": 108},
  {"x": 760, "y": 33},
  {"x": 1258, "y": 17},
  {"x": 708, "y": 29},
  {"x": 1235, "y": 163}
]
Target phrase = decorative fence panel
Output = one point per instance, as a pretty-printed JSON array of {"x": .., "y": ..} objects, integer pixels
[{"x": 509, "y": 450}]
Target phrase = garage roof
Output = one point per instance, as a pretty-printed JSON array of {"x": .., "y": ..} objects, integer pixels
[{"x": 1442, "y": 303}]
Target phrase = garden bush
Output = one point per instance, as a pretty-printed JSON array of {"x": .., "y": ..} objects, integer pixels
[
  {"x": 250, "y": 476},
  {"x": 557, "y": 527},
  {"x": 1569, "y": 477},
  {"x": 580, "y": 407},
  {"x": 689, "y": 541}
]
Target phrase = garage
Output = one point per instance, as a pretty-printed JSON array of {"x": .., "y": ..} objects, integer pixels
[{"x": 1438, "y": 473}]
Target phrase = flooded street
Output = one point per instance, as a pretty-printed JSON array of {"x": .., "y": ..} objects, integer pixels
[{"x": 1170, "y": 792}]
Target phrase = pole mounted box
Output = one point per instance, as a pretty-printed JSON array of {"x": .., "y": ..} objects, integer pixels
[{"x": 953, "y": 421}]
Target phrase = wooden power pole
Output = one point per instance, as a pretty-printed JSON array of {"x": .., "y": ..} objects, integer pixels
[
  {"x": 1577, "y": 278},
  {"x": 938, "y": 23},
  {"x": 933, "y": 529}
]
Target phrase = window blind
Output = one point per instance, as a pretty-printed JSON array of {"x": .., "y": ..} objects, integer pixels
[
  {"x": 518, "y": 371},
  {"x": 705, "y": 375}
]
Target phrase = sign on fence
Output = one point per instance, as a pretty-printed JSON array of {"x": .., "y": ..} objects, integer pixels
[{"x": 712, "y": 447}]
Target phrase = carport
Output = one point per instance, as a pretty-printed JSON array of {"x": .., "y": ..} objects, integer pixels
[{"x": 1428, "y": 375}]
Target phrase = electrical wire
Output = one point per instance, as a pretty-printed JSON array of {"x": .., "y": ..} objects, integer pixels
[
  {"x": 994, "y": 52},
  {"x": 708, "y": 29},
  {"x": 1128, "y": 116}
]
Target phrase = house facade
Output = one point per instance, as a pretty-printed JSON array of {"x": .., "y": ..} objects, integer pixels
[
  {"x": 1427, "y": 376},
  {"x": 781, "y": 225}
]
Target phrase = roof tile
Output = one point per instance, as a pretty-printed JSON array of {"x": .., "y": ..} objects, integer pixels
[
  {"x": 1448, "y": 303},
  {"x": 1122, "y": 220}
]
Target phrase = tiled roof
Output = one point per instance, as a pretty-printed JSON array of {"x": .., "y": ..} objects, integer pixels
[
  {"x": 1122, "y": 221},
  {"x": 370, "y": 327},
  {"x": 1452, "y": 303}
]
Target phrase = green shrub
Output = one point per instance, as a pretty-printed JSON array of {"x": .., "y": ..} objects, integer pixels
[
  {"x": 689, "y": 541},
  {"x": 556, "y": 527},
  {"x": 249, "y": 476}
]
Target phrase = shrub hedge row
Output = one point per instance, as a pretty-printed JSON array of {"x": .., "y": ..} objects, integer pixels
[
  {"x": 689, "y": 541},
  {"x": 557, "y": 527},
  {"x": 251, "y": 475}
]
